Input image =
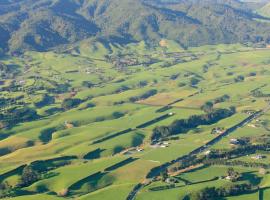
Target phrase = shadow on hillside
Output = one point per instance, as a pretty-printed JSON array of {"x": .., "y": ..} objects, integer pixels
[
  {"x": 13, "y": 172},
  {"x": 91, "y": 183},
  {"x": 121, "y": 164},
  {"x": 93, "y": 154}
]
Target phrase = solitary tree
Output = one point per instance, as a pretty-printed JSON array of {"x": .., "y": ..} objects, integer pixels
[{"x": 207, "y": 107}]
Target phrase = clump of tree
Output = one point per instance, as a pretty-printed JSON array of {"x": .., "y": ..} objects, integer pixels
[
  {"x": 142, "y": 84},
  {"x": 5, "y": 190},
  {"x": 117, "y": 114},
  {"x": 232, "y": 174},
  {"x": 59, "y": 88},
  {"x": 87, "y": 84},
  {"x": 239, "y": 78},
  {"x": 183, "y": 125},
  {"x": 17, "y": 115},
  {"x": 145, "y": 95},
  {"x": 164, "y": 175},
  {"x": 181, "y": 84},
  {"x": 43, "y": 100},
  {"x": 252, "y": 74},
  {"x": 194, "y": 81},
  {"x": 258, "y": 93},
  {"x": 213, "y": 193},
  {"x": 221, "y": 99},
  {"x": 28, "y": 177},
  {"x": 122, "y": 88},
  {"x": 71, "y": 103},
  {"x": 207, "y": 107},
  {"x": 174, "y": 76}
]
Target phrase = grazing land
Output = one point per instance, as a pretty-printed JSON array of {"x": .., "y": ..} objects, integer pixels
[{"x": 95, "y": 121}]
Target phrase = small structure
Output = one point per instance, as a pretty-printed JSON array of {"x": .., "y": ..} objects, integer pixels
[
  {"x": 217, "y": 130},
  {"x": 228, "y": 178},
  {"x": 68, "y": 125},
  {"x": 139, "y": 149},
  {"x": 21, "y": 82},
  {"x": 234, "y": 141},
  {"x": 166, "y": 143},
  {"x": 163, "y": 146},
  {"x": 258, "y": 157},
  {"x": 207, "y": 152},
  {"x": 252, "y": 125},
  {"x": 249, "y": 112}
]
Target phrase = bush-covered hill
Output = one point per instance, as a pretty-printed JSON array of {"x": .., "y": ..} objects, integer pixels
[{"x": 44, "y": 24}]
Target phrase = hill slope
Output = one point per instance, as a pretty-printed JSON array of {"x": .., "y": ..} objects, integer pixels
[
  {"x": 44, "y": 24},
  {"x": 265, "y": 10}
]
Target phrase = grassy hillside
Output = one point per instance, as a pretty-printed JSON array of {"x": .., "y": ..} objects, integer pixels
[
  {"x": 265, "y": 10},
  {"x": 82, "y": 118}
]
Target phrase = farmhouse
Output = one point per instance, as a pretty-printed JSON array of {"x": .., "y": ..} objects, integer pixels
[
  {"x": 207, "y": 152},
  {"x": 217, "y": 130},
  {"x": 258, "y": 157},
  {"x": 252, "y": 125},
  {"x": 234, "y": 141}
]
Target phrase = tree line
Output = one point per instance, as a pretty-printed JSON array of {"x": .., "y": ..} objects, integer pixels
[
  {"x": 213, "y": 193},
  {"x": 183, "y": 125}
]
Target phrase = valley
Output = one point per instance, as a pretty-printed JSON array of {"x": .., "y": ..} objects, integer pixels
[{"x": 94, "y": 121}]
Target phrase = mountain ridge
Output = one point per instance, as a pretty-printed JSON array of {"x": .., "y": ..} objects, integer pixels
[{"x": 45, "y": 24}]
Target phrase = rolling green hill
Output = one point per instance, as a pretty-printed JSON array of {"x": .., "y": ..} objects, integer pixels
[
  {"x": 134, "y": 100},
  {"x": 79, "y": 123}
]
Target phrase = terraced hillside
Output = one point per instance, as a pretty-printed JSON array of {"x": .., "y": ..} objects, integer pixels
[{"x": 93, "y": 121}]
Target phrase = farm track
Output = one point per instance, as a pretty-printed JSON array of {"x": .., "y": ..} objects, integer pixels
[{"x": 155, "y": 173}]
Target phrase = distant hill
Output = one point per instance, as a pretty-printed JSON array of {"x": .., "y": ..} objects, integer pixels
[
  {"x": 44, "y": 24},
  {"x": 265, "y": 10}
]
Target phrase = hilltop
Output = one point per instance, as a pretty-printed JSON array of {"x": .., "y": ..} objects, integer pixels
[{"x": 45, "y": 24}]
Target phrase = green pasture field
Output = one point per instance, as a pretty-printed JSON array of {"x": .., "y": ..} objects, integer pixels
[{"x": 183, "y": 79}]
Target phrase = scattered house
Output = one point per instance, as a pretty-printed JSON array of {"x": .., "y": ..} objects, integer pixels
[
  {"x": 166, "y": 143},
  {"x": 171, "y": 180},
  {"x": 207, "y": 152},
  {"x": 241, "y": 141},
  {"x": 258, "y": 157},
  {"x": 228, "y": 178},
  {"x": 73, "y": 93},
  {"x": 249, "y": 112},
  {"x": 234, "y": 141},
  {"x": 164, "y": 146},
  {"x": 217, "y": 130},
  {"x": 139, "y": 149},
  {"x": 68, "y": 125},
  {"x": 171, "y": 114},
  {"x": 252, "y": 125},
  {"x": 21, "y": 82},
  {"x": 160, "y": 144}
]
